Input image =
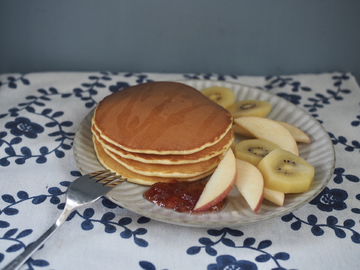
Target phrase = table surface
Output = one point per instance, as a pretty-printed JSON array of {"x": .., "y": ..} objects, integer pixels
[{"x": 39, "y": 115}]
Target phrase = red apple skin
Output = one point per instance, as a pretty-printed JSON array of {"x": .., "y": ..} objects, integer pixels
[
  {"x": 218, "y": 198},
  {"x": 226, "y": 167},
  {"x": 259, "y": 204}
]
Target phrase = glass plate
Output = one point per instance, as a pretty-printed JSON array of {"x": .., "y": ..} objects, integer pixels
[{"x": 319, "y": 153}]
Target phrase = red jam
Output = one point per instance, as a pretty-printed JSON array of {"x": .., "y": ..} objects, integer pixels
[{"x": 179, "y": 196}]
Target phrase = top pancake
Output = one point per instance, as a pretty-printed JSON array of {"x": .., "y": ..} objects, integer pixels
[{"x": 161, "y": 118}]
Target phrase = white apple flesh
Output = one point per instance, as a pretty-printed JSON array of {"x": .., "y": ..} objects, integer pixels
[
  {"x": 250, "y": 183},
  {"x": 299, "y": 135},
  {"x": 220, "y": 183},
  {"x": 270, "y": 130},
  {"x": 274, "y": 196}
]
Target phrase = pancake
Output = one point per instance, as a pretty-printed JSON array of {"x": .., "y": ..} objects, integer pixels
[
  {"x": 162, "y": 170},
  {"x": 202, "y": 155},
  {"x": 161, "y": 118},
  {"x": 112, "y": 165}
]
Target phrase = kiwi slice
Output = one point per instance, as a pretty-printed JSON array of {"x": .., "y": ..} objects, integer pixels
[
  {"x": 250, "y": 108},
  {"x": 283, "y": 171},
  {"x": 221, "y": 95},
  {"x": 253, "y": 151}
]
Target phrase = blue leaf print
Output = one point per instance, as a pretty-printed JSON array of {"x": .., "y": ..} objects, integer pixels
[
  {"x": 349, "y": 223},
  {"x": 147, "y": 265},
  {"x": 249, "y": 242},
  {"x": 264, "y": 244},
  {"x": 87, "y": 225},
  {"x": 110, "y": 228},
  {"x": 39, "y": 199},
  {"x": 263, "y": 258},
  {"x": 140, "y": 231},
  {"x": 107, "y": 217},
  {"x": 211, "y": 251},
  {"x": 331, "y": 221},
  {"x": 282, "y": 256},
  {"x": 206, "y": 241},
  {"x": 356, "y": 238},
  {"x": 14, "y": 248},
  {"x": 10, "y": 211},
  {"x": 124, "y": 221},
  {"x": 26, "y": 151},
  {"x": 40, "y": 263},
  {"x": 143, "y": 220},
  {"x": 4, "y": 224},
  {"x": 54, "y": 200},
  {"x": 55, "y": 191},
  {"x": 22, "y": 195},
  {"x": 140, "y": 242},
  {"x": 193, "y": 250},
  {"x": 317, "y": 231},
  {"x": 108, "y": 204},
  {"x": 296, "y": 225},
  {"x": 88, "y": 213},
  {"x": 215, "y": 232},
  {"x": 24, "y": 233},
  {"x": 41, "y": 160},
  {"x": 15, "y": 140},
  {"x": 10, "y": 233},
  {"x": 59, "y": 153},
  {"x": 228, "y": 242},
  {"x": 8, "y": 198},
  {"x": 339, "y": 233},
  {"x": 234, "y": 232},
  {"x": 57, "y": 114},
  {"x": 126, "y": 233}
]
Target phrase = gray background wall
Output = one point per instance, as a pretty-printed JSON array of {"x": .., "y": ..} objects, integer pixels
[{"x": 260, "y": 37}]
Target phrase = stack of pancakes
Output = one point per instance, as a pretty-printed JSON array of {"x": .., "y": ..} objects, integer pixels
[{"x": 161, "y": 131}]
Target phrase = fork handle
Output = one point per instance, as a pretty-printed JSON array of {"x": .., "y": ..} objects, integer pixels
[{"x": 26, "y": 254}]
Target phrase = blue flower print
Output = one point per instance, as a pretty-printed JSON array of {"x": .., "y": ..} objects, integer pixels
[
  {"x": 227, "y": 262},
  {"x": 330, "y": 199},
  {"x": 23, "y": 126}
]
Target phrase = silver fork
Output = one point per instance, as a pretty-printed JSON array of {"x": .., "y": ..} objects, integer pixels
[{"x": 82, "y": 191}]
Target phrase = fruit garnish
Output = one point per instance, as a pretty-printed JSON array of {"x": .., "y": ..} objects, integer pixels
[
  {"x": 220, "y": 183},
  {"x": 250, "y": 183},
  {"x": 274, "y": 196},
  {"x": 253, "y": 150},
  {"x": 221, "y": 95},
  {"x": 285, "y": 172},
  {"x": 270, "y": 130},
  {"x": 250, "y": 108}
]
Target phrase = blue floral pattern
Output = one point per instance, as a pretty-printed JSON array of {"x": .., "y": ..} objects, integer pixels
[{"x": 37, "y": 130}]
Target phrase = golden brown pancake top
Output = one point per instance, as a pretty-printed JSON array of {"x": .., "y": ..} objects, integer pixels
[{"x": 161, "y": 118}]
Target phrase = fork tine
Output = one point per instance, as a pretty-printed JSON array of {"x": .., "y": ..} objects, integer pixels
[
  {"x": 107, "y": 178},
  {"x": 99, "y": 174}
]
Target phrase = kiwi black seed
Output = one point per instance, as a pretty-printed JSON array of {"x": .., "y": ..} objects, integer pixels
[{"x": 247, "y": 106}]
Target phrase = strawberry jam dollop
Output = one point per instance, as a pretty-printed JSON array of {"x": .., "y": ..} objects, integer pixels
[{"x": 179, "y": 196}]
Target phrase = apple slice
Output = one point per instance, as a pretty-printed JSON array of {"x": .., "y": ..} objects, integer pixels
[
  {"x": 299, "y": 135},
  {"x": 241, "y": 131},
  {"x": 220, "y": 183},
  {"x": 274, "y": 196},
  {"x": 250, "y": 183},
  {"x": 270, "y": 130}
]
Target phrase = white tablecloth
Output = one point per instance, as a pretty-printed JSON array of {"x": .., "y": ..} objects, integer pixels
[{"x": 39, "y": 115}]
